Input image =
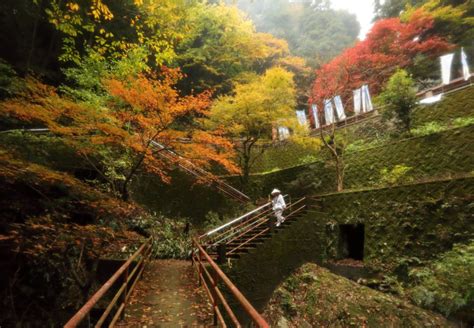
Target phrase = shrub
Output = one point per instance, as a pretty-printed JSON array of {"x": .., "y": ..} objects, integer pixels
[
  {"x": 395, "y": 175},
  {"x": 428, "y": 128},
  {"x": 447, "y": 286},
  {"x": 400, "y": 98}
]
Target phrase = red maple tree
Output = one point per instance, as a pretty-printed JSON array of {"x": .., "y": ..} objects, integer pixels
[{"x": 390, "y": 44}]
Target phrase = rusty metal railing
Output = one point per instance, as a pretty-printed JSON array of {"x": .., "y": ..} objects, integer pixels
[
  {"x": 243, "y": 230},
  {"x": 199, "y": 173},
  {"x": 210, "y": 275},
  {"x": 233, "y": 227},
  {"x": 130, "y": 272}
]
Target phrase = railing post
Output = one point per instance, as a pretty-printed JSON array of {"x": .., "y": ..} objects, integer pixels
[
  {"x": 214, "y": 297},
  {"x": 271, "y": 223},
  {"x": 221, "y": 253},
  {"x": 199, "y": 264},
  {"x": 125, "y": 292}
]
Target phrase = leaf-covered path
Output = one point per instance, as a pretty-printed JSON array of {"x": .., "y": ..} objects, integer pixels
[{"x": 168, "y": 296}]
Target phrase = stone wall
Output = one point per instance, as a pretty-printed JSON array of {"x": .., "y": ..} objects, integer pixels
[{"x": 404, "y": 223}]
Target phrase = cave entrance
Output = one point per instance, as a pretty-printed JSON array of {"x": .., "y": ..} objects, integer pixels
[{"x": 351, "y": 241}]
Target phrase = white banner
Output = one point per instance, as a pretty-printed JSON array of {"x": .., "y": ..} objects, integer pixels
[
  {"x": 446, "y": 62},
  {"x": 366, "y": 100},
  {"x": 283, "y": 133},
  {"x": 314, "y": 109},
  {"x": 431, "y": 100},
  {"x": 357, "y": 101},
  {"x": 328, "y": 111},
  {"x": 339, "y": 108},
  {"x": 301, "y": 116},
  {"x": 465, "y": 65}
]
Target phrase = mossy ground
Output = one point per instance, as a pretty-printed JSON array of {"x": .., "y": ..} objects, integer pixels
[{"x": 314, "y": 297}]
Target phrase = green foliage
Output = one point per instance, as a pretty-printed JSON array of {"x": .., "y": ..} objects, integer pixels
[
  {"x": 400, "y": 98},
  {"x": 84, "y": 82},
  {"x": 221, "y": 44},
  {"x": 428, "y": 128},
  {"x": 212, "y": 220},
  {"x": 8, "y": 80},
  {"x": 463, "y": 121},
  {"x": 436, "y": 127},
  {"x": 307, "y": 159},
  {"x": 394, "y": 176},
  {"x": 170, "y": 241},
  {"x": 447, "y": 285}
]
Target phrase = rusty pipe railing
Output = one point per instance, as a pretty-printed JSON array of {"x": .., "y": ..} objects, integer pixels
[
  {"x": 130, "y": 278},
  {"x": 210, "y": 275}
]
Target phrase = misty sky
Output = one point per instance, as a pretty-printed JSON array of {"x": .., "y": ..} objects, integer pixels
[{"x": 364, "y": 9}]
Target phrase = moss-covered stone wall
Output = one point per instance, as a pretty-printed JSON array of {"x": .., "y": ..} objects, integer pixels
[
  {"x": 183, "y": 197},
  {"x": 457, "y": 105},
  {"x": 437, "y": 155},
  {"x": 402, "y": 224}
]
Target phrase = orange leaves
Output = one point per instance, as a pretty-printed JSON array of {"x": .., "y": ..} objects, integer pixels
[
  {"x": 153, "y": 101},
  {"x": 154, "y": 109},
  {"x": 143, "y": 109}
]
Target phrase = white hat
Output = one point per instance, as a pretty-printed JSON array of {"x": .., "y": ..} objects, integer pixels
[{"x": 276, "y": 191}]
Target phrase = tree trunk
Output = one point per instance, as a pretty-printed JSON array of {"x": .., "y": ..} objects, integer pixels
[
  {"x": 339, "y": 179},
  {"x": 33, "y": 37},
  {"x": 125, "y": 195},
  {"x": 244, "y": 179},
  {"x": 339, "y": 173}
]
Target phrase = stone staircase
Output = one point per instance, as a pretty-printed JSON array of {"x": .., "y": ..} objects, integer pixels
[{"x": 244, "y": 234}]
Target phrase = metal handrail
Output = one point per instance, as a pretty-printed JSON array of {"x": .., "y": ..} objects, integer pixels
[
  {"x": 264, "y": 230},
  {"x": 210, "y": 282},
  {"x": 240, "y": 218},
  {"x": 239, "y": 228},
  {"x": 182, "y": 162},
  {"x": 124, "y": 291},
  {"x": 197, "y": 171}
]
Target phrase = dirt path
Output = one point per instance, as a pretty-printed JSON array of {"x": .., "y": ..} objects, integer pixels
[{"x": 168, "y": 296}]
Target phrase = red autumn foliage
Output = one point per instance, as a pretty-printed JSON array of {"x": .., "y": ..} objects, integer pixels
[{"x": 390, "y": 44}]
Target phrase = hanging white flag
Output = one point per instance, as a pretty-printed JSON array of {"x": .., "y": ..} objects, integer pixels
[
  {"x": 366, "y": 100},
  {"x": 314, "y": 109},
  {"x": 339, "y": 108},
  {"x": 446, "y": 62},
  {"x": 301, "y": 116},
  {"x": 465, "y": 65},
  {"x": 357, "y": 101},
  {"x": 283, "y": 133},
  {"x": 328, "y": 111}
]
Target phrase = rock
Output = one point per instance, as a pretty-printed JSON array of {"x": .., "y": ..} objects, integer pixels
[{"x": 282, "y": 323}]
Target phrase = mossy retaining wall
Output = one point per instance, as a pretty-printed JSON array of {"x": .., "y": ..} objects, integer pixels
[
  {"x": 459, "y": 104},
  {"x": 401, "y": 223},
  {"x": 183, "y": 197},
  {"x": 443, "y": 154}
]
